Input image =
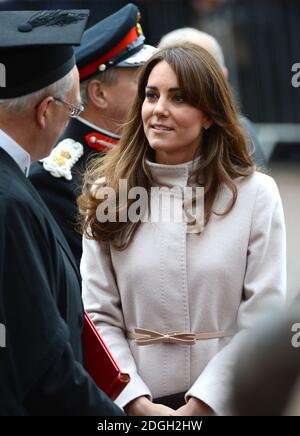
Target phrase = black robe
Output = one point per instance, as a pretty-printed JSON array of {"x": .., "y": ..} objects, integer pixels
[
  {"x": 60, "y": 194},
  {"x": 41, "y": 309}
]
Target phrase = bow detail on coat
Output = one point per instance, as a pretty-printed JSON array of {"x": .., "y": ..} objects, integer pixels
[{"x": 148, "y": 337}]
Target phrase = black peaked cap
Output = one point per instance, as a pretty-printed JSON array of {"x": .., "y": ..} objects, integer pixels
[{"x": 36, "y": 48}]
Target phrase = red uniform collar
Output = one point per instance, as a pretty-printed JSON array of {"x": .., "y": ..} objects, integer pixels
[
  {"x": 98, "y": 138},
  {"x": 101, "y": 141}
]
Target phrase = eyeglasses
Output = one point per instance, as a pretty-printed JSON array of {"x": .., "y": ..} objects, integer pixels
[{"x": 75, "y": 111}]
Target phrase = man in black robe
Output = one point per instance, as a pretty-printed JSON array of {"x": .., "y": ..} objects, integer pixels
[{"x": 41, "y": 312}]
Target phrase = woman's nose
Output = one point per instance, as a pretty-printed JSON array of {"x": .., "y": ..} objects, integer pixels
[{"x": 161, "y": 107}]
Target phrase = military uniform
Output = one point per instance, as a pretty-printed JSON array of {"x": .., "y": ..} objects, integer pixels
[{"x": 59, "y": 188}]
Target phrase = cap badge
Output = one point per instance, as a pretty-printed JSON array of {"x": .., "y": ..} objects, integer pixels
[{"x": 50, "y": 18}]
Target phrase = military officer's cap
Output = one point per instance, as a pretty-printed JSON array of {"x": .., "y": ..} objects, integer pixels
[
  {"x": 116, "y": 41},
  {"x": 36, "y": 48}
]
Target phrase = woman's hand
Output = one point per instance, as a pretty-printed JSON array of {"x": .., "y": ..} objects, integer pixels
[
  {"x": 194, "y": 407},
  {"x": 142, "y": 406}
]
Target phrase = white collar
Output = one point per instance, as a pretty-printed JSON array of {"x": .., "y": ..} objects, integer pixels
[
  {"x": 16, "y": 152},
  {"x": 172, "y": 175},
  {"x": 98, "y": 129}
]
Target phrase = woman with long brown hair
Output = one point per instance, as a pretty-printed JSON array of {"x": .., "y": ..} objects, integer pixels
[{"x": 172, "y": 296}]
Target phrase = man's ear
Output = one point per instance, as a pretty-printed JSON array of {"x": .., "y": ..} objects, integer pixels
[
  {"x": 97, "y": 94},
  {"x": 42, "y": 111}
]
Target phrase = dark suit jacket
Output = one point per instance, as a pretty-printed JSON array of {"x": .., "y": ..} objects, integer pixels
[{"x": 41, "y": 309}]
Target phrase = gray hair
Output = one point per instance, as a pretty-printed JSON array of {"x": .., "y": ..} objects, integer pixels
[
  {"x": 189, "y": 34},
  {"x": 60, "y": 89},
  {"x": 108, "y": 77}
]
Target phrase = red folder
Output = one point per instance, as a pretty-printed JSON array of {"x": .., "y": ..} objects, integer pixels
[{"x": 99, "y": 362}]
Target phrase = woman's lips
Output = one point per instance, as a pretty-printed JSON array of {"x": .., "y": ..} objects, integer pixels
[{"x": 161, "y": 128}]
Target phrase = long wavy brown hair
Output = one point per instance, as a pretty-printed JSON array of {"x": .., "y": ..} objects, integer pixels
[{"x": 224, "y": 151}]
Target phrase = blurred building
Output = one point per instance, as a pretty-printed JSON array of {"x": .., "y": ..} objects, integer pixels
[
  {"x": 260, "y": 41},
  {"x": 261, "y": 44}
]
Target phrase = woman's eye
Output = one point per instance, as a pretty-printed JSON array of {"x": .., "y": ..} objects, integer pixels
[
  {"x": 179, "y": 98},
  {"x": 150, "y": 95}
]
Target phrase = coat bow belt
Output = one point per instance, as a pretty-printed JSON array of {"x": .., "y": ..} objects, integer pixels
[{"x": 148, "y": 337}]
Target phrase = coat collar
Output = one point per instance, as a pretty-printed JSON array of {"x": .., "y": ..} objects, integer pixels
[
  {"x": 98, "y": 138},
  {"x": 172, "y": 175},
  {"x": 88, "y": 135}
]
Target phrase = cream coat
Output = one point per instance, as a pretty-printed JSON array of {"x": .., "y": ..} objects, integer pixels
[{"x": 171, "y": 280}]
